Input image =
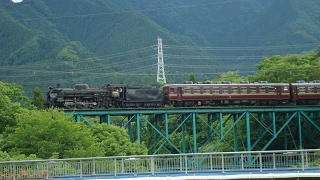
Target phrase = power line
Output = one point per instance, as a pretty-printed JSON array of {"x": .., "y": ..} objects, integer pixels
[
  {"x": 122, "y": 12},
  {"x": 213, "y": 57},
  {"x": 33, "y": 70},
  {"x": 248, "y": 48},
  {"x": 117, "y": 55},
  {"x": 36, "y": 70}
]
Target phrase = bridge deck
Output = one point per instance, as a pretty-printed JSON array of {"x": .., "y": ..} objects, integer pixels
[{"x": 233, "y": 109}]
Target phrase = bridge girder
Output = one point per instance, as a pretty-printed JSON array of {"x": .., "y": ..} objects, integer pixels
[{"x": 252, "y": 129}]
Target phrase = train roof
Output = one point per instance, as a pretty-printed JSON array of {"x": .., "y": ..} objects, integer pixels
[
  {"x": 250, "y": 84},
  {"x": 305, "y": 84},
  {"x": 117, "y": 85}
]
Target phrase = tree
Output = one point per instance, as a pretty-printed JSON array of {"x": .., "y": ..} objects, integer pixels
[
  {"x": 4, "y": 156},
  {"x": 13, "y": 91},
  {"x": 11, "y": 97},
  {"x": 156, "y": 84},
  {"x": 38, "y": 100},
  {"x": 192, "y": 78},
  {"x": 288, "y": 68},
  {"x": 45, "y": 133},
  {"x": 232, "y": 76},
  {"x": 116, "y": 142}
]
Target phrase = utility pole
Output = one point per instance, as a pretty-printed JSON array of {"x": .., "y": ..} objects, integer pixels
[{"x": 160, "y": 75}]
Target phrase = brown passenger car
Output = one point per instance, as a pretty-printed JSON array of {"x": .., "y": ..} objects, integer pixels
[
  {"x": 305, "y": 93},
  {"x": 225, "y": 94}
]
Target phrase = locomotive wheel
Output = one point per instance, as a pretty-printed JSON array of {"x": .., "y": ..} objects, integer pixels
[
  {"x": 84, "y": 104},
  {"x": 313, "y": 102},
  {"x": 178, "y": 104},
  {"x": 70, "y": 106},
  {"x": 263, "y": 103},
  {"x": 189, "y": 104},
  {"x": 94, "y": 105},
  {"x": 273, "y": 103}
]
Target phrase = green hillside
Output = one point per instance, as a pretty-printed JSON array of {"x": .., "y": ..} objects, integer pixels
[
  {"x": 97, "y": 42},
  {"x": 23, "y": 26},
  {"x": 286, "y": 27},
  {"x": 204, "y": 21}
]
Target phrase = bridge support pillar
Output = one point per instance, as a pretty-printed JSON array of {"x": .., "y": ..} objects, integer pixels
[
  {"x": 194, "y": 130},
  {"x": 235, "y": 133},
  {"x": 105, "y": 119},
  {"x": 183, "y": 129},
  {"x": 138, "y": 127}
]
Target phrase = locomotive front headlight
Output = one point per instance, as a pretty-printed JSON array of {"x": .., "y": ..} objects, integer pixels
[
  {"x": 115, "y": 94},
  {"x": 53, "y": 95}
]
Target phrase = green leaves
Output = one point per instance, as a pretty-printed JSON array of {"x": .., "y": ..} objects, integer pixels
[
  {"x": 47, "y": 132},
  {"x": 11, "y": 98},
  {"x": 26, "y": 132},
  {"x": 50, "y": 133},
  {"x": 38, "y": 99},
  {"x": 12, "y": 91},
  {"x": 73, "y": 52},
  {"x": 192, "y": 78},
  {"x": 288, "y": 68},
  {"x": 232, "y": 76},
  {"x": 115, "y": 141}
]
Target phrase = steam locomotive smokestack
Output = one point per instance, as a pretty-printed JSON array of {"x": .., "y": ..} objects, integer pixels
[{"x": 58, "y": 85}]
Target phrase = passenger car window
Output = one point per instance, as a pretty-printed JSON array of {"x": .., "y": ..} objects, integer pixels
[
  {"x": 225, "y": 90},
  {"x": 215, "y": 90},
  {"x": 243, "y": 90},
  {"x": 253, "y": 89},
  {"x": 310, "y": 89},
  {"x": 196, "y": 91},
  {"x": 206, "y": 90},
  {"x": 262, "y": 90},
  {"x": 187, "y": 91},
  {"x": 271, "y": 90},
  {"x": 171, "y": 90},
  {"x": 234, "y": 90}
]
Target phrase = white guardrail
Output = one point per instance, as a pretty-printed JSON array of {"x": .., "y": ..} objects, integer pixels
[{"x": 153, "y": 165}]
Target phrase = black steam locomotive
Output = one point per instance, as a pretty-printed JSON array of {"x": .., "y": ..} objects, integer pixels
[
  {"x": 109, "y": 96},
  {"x": 184, "y": 95}
]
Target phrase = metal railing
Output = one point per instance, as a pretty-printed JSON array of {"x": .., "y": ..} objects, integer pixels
[{"x": 153, "y": 165}]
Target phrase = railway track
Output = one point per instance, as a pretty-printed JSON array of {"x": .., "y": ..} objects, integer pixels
[{"x": 192, "y": 108}]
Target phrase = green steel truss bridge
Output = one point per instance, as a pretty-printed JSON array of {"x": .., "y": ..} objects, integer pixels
[{"x": 204, "y": 129}]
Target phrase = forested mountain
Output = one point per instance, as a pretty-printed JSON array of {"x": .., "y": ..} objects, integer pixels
[
  {"x": 288, "y": 25},
  {"x": 45, "y": 42},
  {"x": 204, "y": 21},
  {"x": 97, "y": 41}
]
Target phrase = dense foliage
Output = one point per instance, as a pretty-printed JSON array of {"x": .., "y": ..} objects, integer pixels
[
  {"x": 98, "y": 42},
  {"x": 28, "y": 133},
  {"x": 289, "y": 68},
  {"x": 38, "y": 100},
  {"x": 11, "y": 102}
]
